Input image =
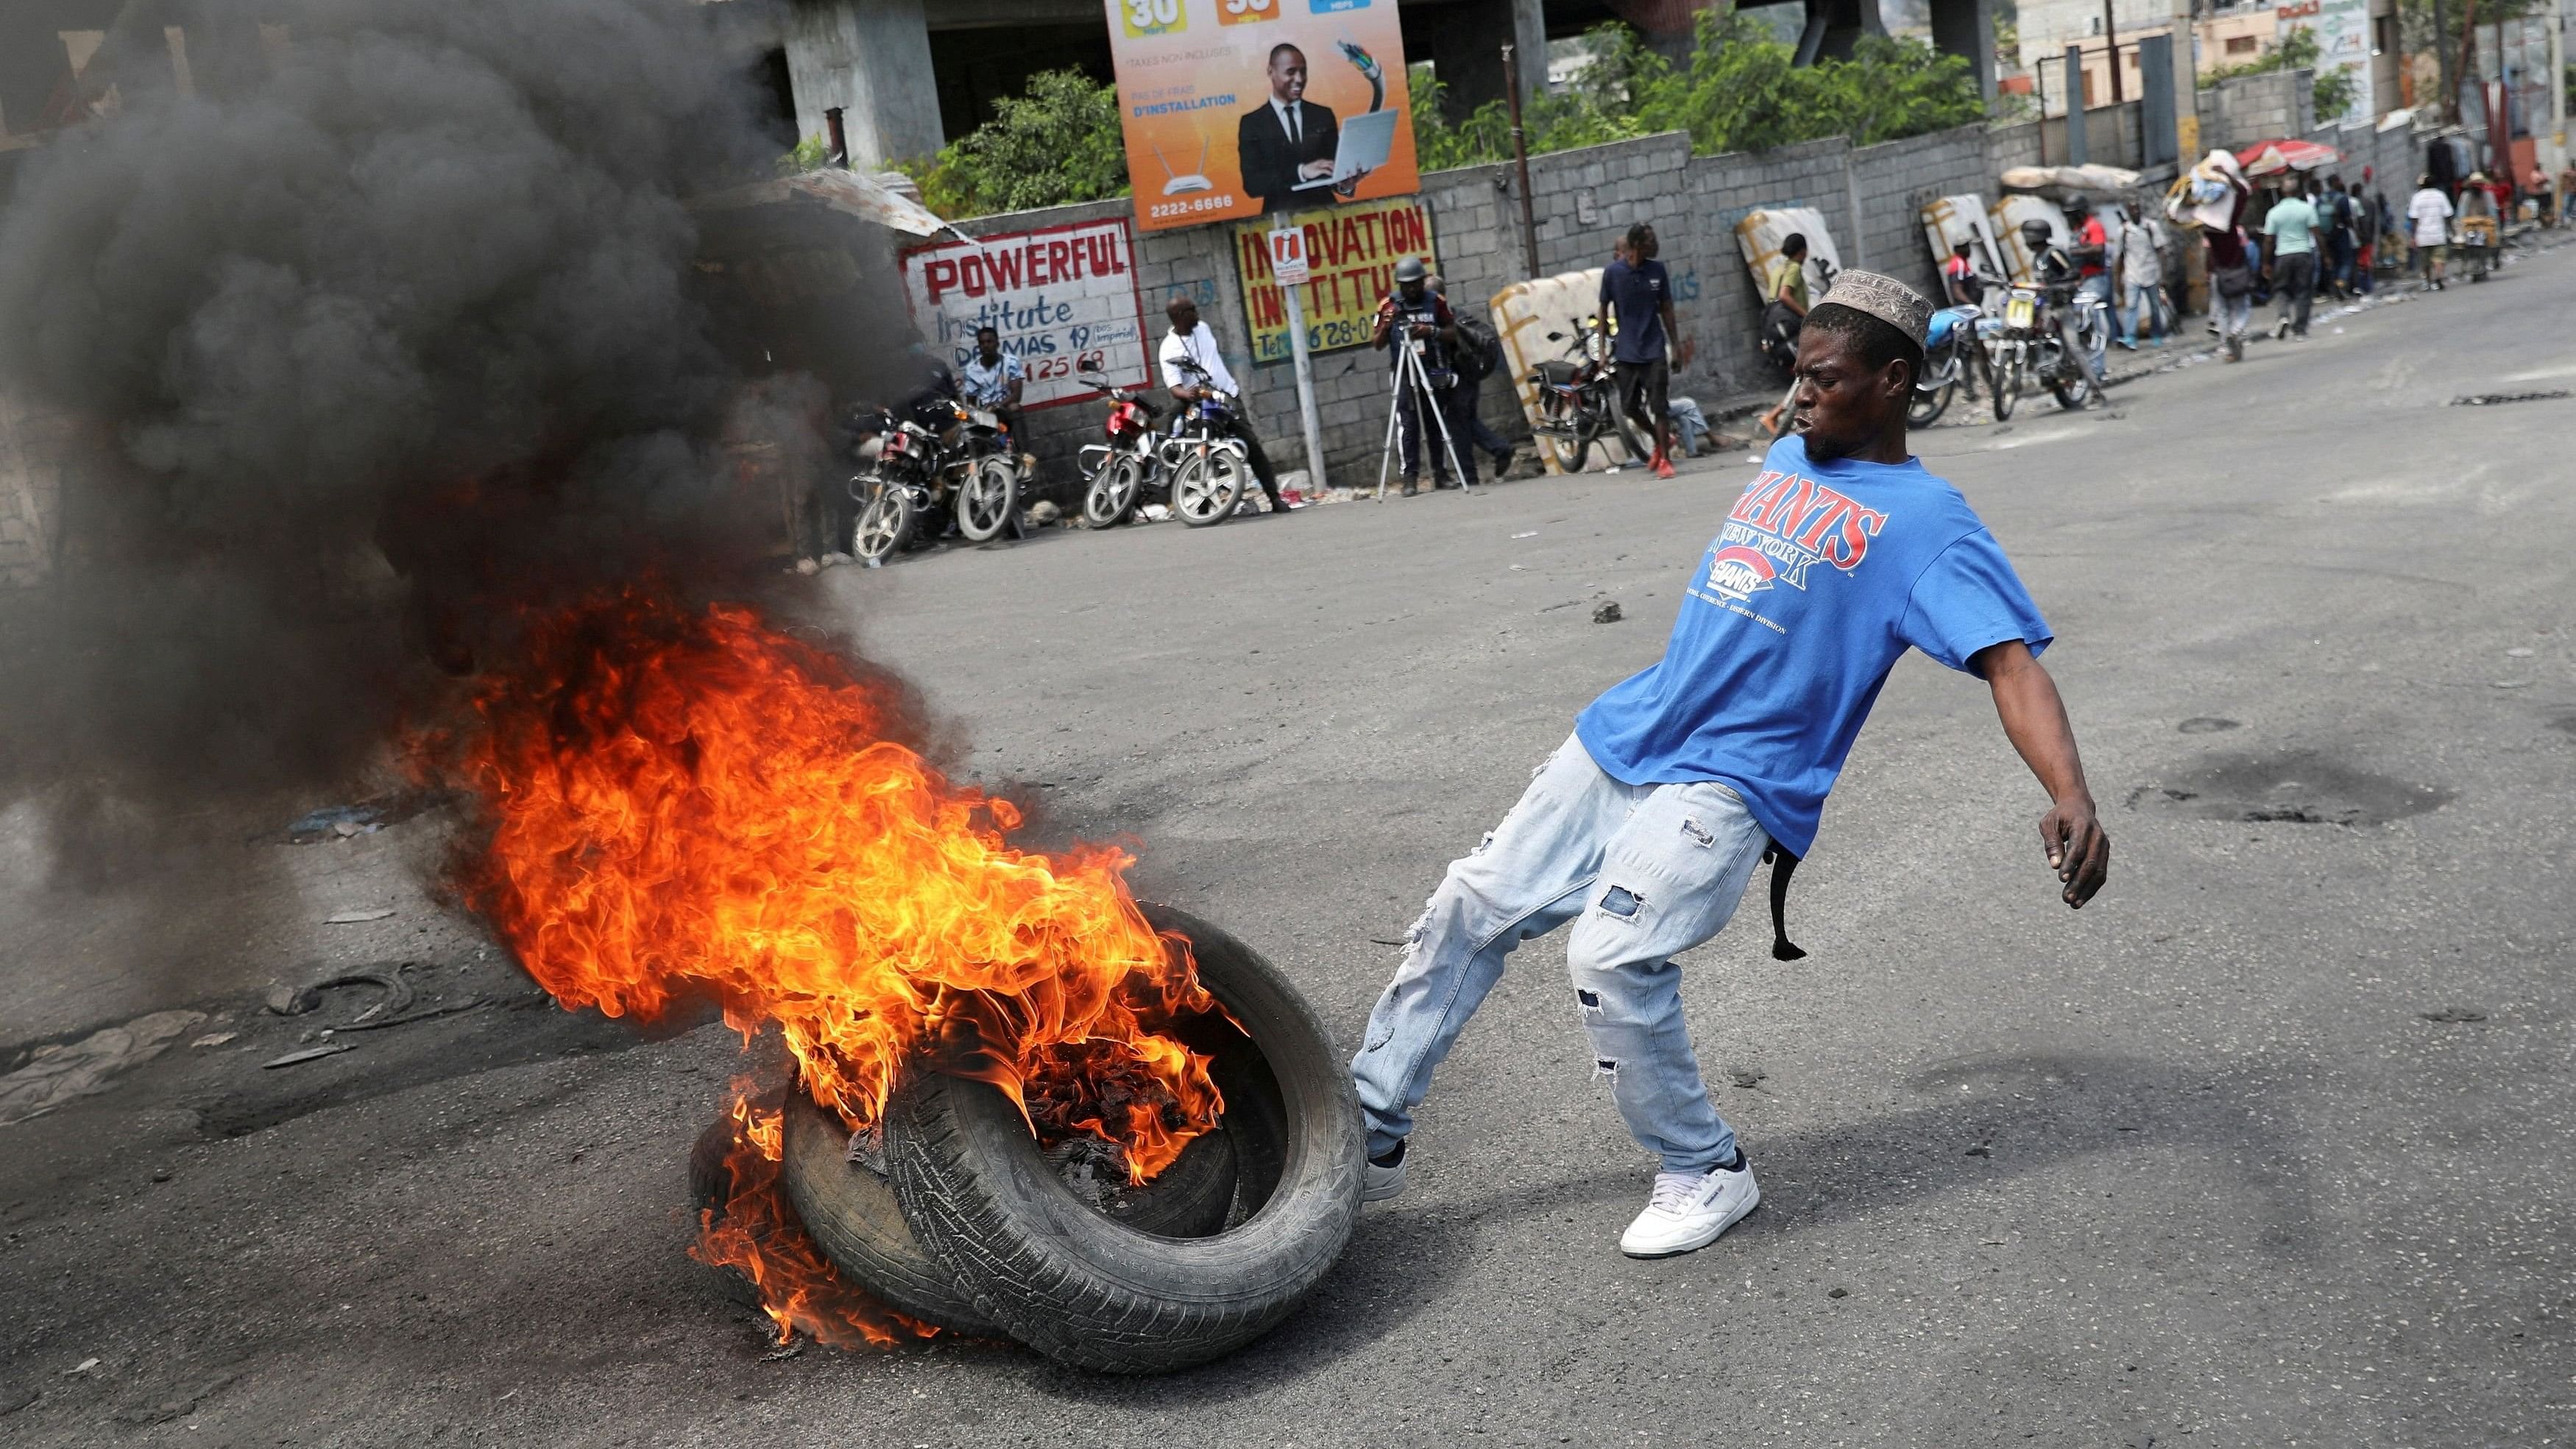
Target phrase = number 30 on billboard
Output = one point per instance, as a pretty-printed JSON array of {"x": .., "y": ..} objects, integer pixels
[{"x": 1153, "y": 17}]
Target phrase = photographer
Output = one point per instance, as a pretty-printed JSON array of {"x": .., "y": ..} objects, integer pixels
[{"x": 1415, "y": 316}]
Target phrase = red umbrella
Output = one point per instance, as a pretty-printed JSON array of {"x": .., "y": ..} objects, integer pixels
[{"x": 2269, "y": 158}]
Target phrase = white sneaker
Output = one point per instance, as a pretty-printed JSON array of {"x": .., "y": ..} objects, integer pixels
[
  {"x": 1689, "y": 1210},
  {"x": 1378, "y": 1183}
]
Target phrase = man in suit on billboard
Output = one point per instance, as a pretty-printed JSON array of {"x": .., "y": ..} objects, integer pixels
[{"x": 1288, "y": 139}]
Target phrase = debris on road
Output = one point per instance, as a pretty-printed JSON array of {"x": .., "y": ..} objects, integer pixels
[
  {"x": 2492, "y": 399},
  {"x": 315, "y": 1053},
  {"x": 357, "y": 917},
  {"x": 58, "y": 1074},
  {"x": 297, "y": 1000},
  {"x": 2452, "y": 1014},
  {"x": 84, "y": 1366},
  {"x": 340, "y": 822},
  {"x": 2206, "y": 725},
  {"x": 1608, "y": 613},
  {"x": 214, "y": 1038}
]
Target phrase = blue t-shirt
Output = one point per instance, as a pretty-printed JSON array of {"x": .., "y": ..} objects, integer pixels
[
  {"x": 1635, "y": 295},
  {"x": 1821, "y": 578}
]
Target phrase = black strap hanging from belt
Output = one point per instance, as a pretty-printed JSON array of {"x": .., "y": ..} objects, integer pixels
[{"x": 1783, "y": 865}]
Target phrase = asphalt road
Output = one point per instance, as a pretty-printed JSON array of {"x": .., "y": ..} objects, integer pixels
[{"x": 2193, "y": 1162}]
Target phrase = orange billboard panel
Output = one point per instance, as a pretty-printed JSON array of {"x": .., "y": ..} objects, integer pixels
[{"x": 1236, "y": 108}]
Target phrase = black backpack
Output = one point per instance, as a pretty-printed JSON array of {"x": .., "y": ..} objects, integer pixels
[{"x": 1479, "y": 350}]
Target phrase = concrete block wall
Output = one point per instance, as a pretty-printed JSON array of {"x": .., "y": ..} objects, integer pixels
[
  {"x": 36, "y": 447},
  {"x": 1895, "y": 180},
  {"x": 2253, "y": 108}
]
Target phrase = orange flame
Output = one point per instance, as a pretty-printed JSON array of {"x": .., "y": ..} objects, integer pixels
[
  {"x": 691, "y": 802},
  {"x": 756, "y": 1234}
]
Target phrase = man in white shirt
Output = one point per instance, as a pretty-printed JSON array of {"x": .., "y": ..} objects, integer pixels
[
  {"x": 2142, "y": 273},
  {"x": 1190, "y": 341},
  {"x": 2430, "y": 212}
]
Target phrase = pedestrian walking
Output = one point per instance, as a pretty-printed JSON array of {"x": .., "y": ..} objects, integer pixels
[
  {"x": 2214, "y": 201},
  {"x": 2142, "y": 274},
  {"x": 2566, "y": 192},
  {"x": 1190, "y": 341},
  {"x": 1637, "y": 290},
  {"x": 1644, "y": 827},
  {"x": 2338, "y": 240},
  {"x": 2291, "y": 227},
  {"x": 2429, "y": 214},
  {"x": 1414, "y": 315}
]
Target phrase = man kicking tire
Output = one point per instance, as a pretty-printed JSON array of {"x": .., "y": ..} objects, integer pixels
[{"x": 1643, "y": 828}]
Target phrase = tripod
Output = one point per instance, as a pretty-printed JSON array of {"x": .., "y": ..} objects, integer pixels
[{"x": 1412, "y": 376}]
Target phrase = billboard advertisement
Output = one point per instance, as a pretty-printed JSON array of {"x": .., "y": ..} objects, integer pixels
[
  {"x": 1058, "y": 296},
  {"x": 1236, "y": 108},
  {"x": 1351, "y": 252}
]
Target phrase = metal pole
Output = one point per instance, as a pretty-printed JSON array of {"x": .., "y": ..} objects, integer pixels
[
  {"x": 2468, "y": 58},
  {"x": 1309, "y": 422},
  {"x": 1520, "y": 157},
  {"x": 2111, "y": 38},
  {"x": 2448, "y": 110}
]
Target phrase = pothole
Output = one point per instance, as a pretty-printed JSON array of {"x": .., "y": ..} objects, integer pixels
[{"x": 2296, "y": 787}]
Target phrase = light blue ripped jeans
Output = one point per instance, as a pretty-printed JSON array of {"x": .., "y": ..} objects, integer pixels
[{"x": 1645, "y": 872}]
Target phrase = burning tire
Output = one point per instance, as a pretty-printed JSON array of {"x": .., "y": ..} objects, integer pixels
[
  {"x": 850, "y": 1210},
  {"x": 1100, "y": 1294}
]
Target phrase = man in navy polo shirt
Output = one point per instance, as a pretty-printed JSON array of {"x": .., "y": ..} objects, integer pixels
[
  {"x": 1643, "y": 828},
  {"x": 1637, "y": 290}
]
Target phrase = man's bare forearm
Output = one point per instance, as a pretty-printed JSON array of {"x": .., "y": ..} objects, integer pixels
[{"x": 2034, "y": 719}]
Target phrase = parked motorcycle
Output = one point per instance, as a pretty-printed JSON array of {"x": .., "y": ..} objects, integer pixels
[
  {"x": 1578, "y": 400},
  {"x": 940, "y": 455},
  {"x": 1200, "y": 462},
  {"x": 1118, "y": 473},
  {"x": 2030, "y": 349},
  {"x": 1952, "y": 357}
]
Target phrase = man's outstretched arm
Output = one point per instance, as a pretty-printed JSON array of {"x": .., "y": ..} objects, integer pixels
[{"x": 2034, "y": 719}]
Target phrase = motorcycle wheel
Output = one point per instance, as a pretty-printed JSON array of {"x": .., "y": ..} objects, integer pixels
[
  {"x": 885, "y": 524},
  {"x": 2071, "y": 384},
  {"x": 2008, "y": 385},
  {"x": 1207, "y": 487},
  {"x": 1569, "y": 452},
  {"x": 1112, "y": 495},
  {"x": 1925, "y": 408},
  {"x": 1631, "y": 442},
  {"x": 985, "y": 501}
]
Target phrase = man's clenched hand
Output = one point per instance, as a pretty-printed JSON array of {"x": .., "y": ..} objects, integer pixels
[{"x": 2078, "y": 850}]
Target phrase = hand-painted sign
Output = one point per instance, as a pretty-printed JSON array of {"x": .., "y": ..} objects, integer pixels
[
  {"x": 1235, "y": 108},
  {"x": 1057, "y": 297},
  {"x": 1351, "y": 252}
]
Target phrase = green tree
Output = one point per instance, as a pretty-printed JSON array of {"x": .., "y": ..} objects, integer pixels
[
  {"x": 1055, "y": 144},
  {"x": 1739, "y": 90}
]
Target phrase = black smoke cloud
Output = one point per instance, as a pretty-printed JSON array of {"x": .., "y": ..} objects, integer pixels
[{"x": 395, "y": 333}]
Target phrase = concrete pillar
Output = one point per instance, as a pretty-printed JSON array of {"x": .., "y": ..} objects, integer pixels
[
  {"x": 1467, "y": 50},
  {"x": 1529, "y": 44},
  {"x": 1967, "y": 28},
  {"x": 872, "y": 59}
]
